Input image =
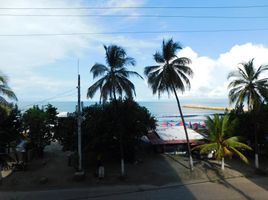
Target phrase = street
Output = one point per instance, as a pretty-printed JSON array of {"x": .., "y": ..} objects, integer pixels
[{"x": 236, "y": 188}]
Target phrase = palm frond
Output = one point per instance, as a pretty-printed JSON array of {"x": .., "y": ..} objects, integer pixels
[
  {"x": 5, "y": 90},
  {"x": 98, "y": 70},
  {"x": 260, "y": 70},
  {"x": 3, "y": 101},
  {"x": 158, "y": 57},
  {"x": 234, "y": 74},
  {"x": 205, "y": 148},
  {"x": 93, "y": 88},
  {"x": 241, "y": 156},
  {"x": 150, "y": 69},
  {"x": 3, "y": 79},
  {"x": 128, "y": 61}
]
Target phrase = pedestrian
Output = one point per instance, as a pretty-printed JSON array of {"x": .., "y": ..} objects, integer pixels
[{"x": 100, "y": 167}]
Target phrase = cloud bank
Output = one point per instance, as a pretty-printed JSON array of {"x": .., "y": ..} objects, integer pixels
[{"x": 210, "y": 75}]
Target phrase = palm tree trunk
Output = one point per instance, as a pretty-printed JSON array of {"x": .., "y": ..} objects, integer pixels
[
  {"x": 222, "y": 163},
  {"x": 120, "y": 140},
  {"x": 256, "y": 147},
  {"x": 185, "y": 130},
  {"x": 122, "y": 159},
  {"x": 256, "y": 129}
]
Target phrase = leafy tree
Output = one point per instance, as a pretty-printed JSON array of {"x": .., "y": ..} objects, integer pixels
[
  {"x": 247, "y": 86},
  {"x": 39, "y": 122},
  {"x": 66, "y": 133},
  {"x": 106, "y": 126},
  {"x": 10, "y": 125},
  {"x": 51, "y": 119},
  {"x": 221, "y": 140},
  {"x": 114, "y": 77},
  {"x": 5, "y": 90},
  {"x": 169, "y": 75},
  {"x": 114, "y": 80}
]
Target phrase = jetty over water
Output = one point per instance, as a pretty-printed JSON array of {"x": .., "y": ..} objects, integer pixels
[{"x": 206, "y": 107}]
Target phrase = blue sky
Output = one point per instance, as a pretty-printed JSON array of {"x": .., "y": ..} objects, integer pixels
[{"x": 42, "y": 67}]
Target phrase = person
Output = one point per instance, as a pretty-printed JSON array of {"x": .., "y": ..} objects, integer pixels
[
  {"x": 100, "y": 168},
  {"x": 21, "y": 151}
]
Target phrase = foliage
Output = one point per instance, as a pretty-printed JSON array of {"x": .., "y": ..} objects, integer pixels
[
  {"x": 247, "y": 85},
  {"x": 5, "y": 90},
  {"x": 41, "y": 124},
  {"x": 221, "y": 139},
  {"x": 246, "y": 121},
  {"x": 171, "y": 71},
  {"x": 66, "y": 133},
  {"x": 104, "y": 124},
  {"x": 169, "y": 75},
  {"x": 114, "y": 77},
  {"x": 10, "y": 124}
]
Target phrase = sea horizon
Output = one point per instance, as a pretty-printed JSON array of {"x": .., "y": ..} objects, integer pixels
[{"x": 162, "y": 110}]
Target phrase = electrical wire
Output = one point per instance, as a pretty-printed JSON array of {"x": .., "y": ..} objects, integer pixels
[
  {"x": 64, "y": 94},
  {"x": 140, "y": 16},
  {"x": 133, "y": 32},
  {"x": 135, "y": 7}
]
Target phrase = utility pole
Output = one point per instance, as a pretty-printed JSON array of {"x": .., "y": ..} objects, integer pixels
[
  {"x": 80, "y": 174},
  {"x": 79, "y": 122}
]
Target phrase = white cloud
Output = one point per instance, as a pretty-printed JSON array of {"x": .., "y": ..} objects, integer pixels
[
  {"x": 243, "y": 53},
  {"x": 210, "y": 75},
  {"x": 23, "y": 58}
]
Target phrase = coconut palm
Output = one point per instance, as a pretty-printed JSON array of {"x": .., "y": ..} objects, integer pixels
[
  {"x": 169, "y": 75},
  {"x": 114, "y": 77},
  {"x": 114, "y": 80},
  {"x": 5, "y": 90},
  {"x": 247, "y": 86},
  {"x": 221, "y": 140}
]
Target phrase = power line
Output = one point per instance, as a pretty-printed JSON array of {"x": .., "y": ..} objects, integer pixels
[
  {"x": 60, "y": 95},
  {"x": 133, "y": 32},
  {"x": 134, "y": 7},
  {"x": 145, "y": 16}
]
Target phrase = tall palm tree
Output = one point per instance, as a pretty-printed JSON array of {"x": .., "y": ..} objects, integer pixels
[
  {"x": 221, "y": 140},
  {"x": 5, "y": 90},
  {"x": 247, "y": 86},
  {"x": 114, "y": 80},
  {"x": 169, "y": 75},
  {"x": 114, "y": 77}
]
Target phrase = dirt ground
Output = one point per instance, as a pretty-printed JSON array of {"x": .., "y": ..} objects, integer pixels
[{"x": 155, "y": 169}]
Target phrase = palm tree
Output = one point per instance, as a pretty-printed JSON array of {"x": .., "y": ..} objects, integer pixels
[
  {"x": 5, "y": 90},
  {"x": 248, "y": 87},
  {"x": 114, "y": 77},
  {"x": 169, "y": 75},
  {"x": 114, "y": 80},
  {"x": 221, "y": 140}
]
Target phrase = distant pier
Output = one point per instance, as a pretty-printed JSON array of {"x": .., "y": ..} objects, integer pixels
[{"x": 205, "y": 107}]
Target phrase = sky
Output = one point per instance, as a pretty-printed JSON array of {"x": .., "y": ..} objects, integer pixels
[{"x": 215, "y": 35}]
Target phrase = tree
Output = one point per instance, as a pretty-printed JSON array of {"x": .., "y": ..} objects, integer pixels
[
  {"x": 51, "y": 119},
  {"x": 41, "y": 125},
  {"x": 114, "y": 77},
  {"x": 114, "y": 80},
  {"x": 66, "y": 133},
  {"x": 5, "y": 90},
  {"x": 103, "y": 130},
  {"x": 247, "y": 86},
  {"x": 171, "y": 74},
  {"x": 220, "y": 129},
  {"x": 10, "y": 125}
]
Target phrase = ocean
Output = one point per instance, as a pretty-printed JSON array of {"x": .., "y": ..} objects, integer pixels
[{"x": 164, "y": 111}]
